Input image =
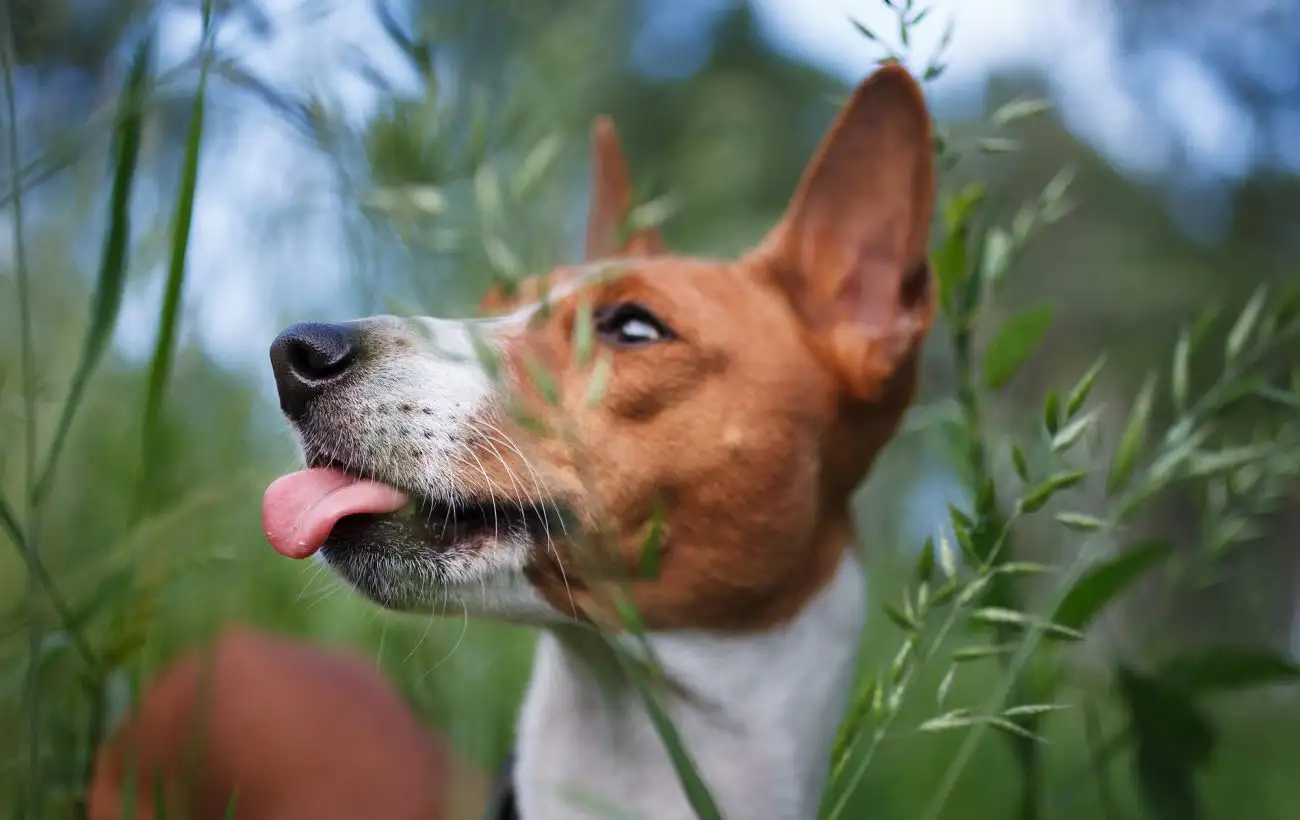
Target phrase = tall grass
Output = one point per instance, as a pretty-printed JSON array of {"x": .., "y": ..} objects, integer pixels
[{"x": 990, "y": 622}]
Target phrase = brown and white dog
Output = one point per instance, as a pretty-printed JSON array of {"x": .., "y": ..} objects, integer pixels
[{"x": 737, "y": 406}]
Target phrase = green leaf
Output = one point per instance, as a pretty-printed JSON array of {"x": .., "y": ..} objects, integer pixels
[
  {"x": 960, "y": 520},
  {"x": 952, "y": 259},
  {"x": 986, "y": 502},
  {"x": 1180, "y": 445},
  {"x": 697, "y": 793},
  {"x": 487, "y": 194},
  {"x": 1074, "y": 403},
  {"x": 1079, "y": 522},
  {"x": 1052, "y": 412},
  {"x": 1020, "y": 109},
  {"x": 902, "y": 659},
  {"x": 1201, "y": 465},
  {"x": 865, "y": 32},
  {"x": 900, "y": 618},
  {"x": 1131, "y": 440},
  {"x": 998, "y": 145},
  {"x": 1014, "y": 343},
  {"x": 852, "y": 725},
  {"x": 1228, "y": 668},
  {"x": 651, "y": 214},
  {"x": 1014, "y": 729},
  {"x": 962, "y": 719},
  {"x": 1051, "y": 201},
  {"x": 1179, "y": 378},
  {"x": 967, "y": 544},
  {"x": 1033, "y": 709},
  {"x": 956, "y": 719},
  {"x": 652, "y": 549},
  {"x": 111, "y": 281},
  {"x": 1018, "y": 461},
  {"x": 998, "y": 249},
  {"x": 535, "y": 165},
  {"x": 945, "y": 685},
  {"x": 543, "y": 380},
  {"x": 598, "y": 381},
  {"x": 1000, "y": 616},
  {"x": 1104, "y": 581},
  {"x": 1070, "y": 434},
  {"x": 1280, "y": 397},
  {"x": 947, "y": 557},
  {"x": 165, "y": 343},
  {"x": 484, "y": 355},
  {"x": 583, "y": 335},
  {"x": 1245, "y": 324},
  {"x": 1024, "y": 568},
  {"x": 976, "y": 653},
  {"x": 925, "y": 561},
  {"x": 973, "y": 590},
  {"x": 1038, "y": 497}
]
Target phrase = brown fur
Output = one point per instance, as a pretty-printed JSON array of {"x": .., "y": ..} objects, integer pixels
[{"x": 803, "y": 352}]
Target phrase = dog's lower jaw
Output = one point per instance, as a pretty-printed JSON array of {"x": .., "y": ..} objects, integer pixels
[{"x": 760, "y": 724}]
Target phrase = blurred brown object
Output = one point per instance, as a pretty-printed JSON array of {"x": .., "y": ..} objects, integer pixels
[{"x": 292, "y": 731}]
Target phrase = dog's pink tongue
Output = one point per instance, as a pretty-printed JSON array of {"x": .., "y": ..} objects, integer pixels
[{"x": 300, "y": 509}]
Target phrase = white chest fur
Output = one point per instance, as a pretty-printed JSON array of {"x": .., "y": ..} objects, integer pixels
[{"x": 760, "y": 724}]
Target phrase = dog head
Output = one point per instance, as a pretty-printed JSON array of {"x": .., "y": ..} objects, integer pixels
[{"x": 690, "y": 430}]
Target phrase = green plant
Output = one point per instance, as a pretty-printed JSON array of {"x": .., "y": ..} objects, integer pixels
[
  {"x": 116, "y": 649},
  {"x": 980, "y": 586},
  {"x": 1053, "y": 539}
]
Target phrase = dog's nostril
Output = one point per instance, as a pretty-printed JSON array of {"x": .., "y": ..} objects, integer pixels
[
  {"x": 313, "y": 360},
  {"x": 309, "y": 357}
]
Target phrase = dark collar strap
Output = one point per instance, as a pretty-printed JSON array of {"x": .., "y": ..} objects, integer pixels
[{"x": 502, "y": 804}]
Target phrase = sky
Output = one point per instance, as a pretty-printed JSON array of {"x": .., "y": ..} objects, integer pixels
[{"x": 1071, "y": 42}]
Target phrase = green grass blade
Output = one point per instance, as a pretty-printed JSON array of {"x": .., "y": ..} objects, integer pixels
[
  {"x": 164, "y": 345},
  {"x": 29, "y": 548},
  {"x": 697, "y": 792},
  {"x": 67, "y": 617},
  {"x": 111, "y": 281},
  {"x": 22, "y": 275}
]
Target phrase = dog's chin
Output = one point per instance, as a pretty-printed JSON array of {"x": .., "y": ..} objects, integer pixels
[{"x": 409, "y": 562}]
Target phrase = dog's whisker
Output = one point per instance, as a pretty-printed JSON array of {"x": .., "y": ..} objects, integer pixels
[
  {"x": 498, "y": 435},
  {"x": 464, "y": 630},
  {"x": 428, "y": 624},
  {"x": 491, "y": 488}
]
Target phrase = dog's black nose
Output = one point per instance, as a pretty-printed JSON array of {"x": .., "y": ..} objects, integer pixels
[{"x": 309, "y": 357}]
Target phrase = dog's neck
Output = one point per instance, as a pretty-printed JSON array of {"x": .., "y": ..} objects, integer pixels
[{"x": 758, "y": 716}]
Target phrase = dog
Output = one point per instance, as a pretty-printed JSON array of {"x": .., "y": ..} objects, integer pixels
[{"x": 646, "y": 433}]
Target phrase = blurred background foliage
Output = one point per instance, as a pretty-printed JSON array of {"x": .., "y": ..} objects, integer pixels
[{"x": 444, "y": 147}]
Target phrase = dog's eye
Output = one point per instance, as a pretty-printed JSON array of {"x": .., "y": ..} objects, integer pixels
[{"x": 630, "y": 325}]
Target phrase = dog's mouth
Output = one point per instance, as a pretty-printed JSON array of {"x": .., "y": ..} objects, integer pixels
[{"x": 329, "y": 505}]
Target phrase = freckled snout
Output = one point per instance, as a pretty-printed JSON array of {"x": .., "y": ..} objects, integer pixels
[{"x": 308, "y": 358}]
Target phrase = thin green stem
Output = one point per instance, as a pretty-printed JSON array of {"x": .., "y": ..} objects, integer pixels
[
  {"x": 1214, "y": 399},
  {"x": 31, "y": 552},
  {"x": 881, "y": 731},
  {"x": 1026, "y": 750},
  {"x": 10, "y": 524},
  {"x": 1014, "y": 666}
]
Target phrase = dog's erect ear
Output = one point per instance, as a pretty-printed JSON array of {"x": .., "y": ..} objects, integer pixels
[
  {"x": 612, "y": 201},
  {"x": 608, "y": 233},
  {"x": 851, "y": 248}
]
